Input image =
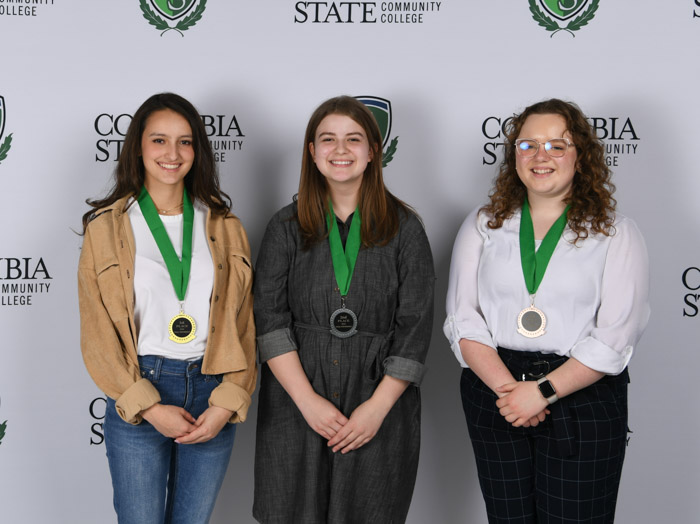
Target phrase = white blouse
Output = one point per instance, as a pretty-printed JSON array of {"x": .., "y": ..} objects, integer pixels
[
  {"x": 156, "y": 302},
  {"x": 595, "y": 294}
]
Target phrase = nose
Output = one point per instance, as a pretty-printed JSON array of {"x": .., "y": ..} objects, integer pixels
[
  {"x": 171, "y": 152},
  {"x": 542, "y": 153},
  {"x": 341, "y": 146}
]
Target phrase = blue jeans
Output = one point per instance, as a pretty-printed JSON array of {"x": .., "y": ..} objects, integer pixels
[{"x": 156, "y": 480}]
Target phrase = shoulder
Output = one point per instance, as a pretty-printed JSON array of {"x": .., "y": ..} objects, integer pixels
[
  {"x": 106, "y": 218},
  {"x": 283, "y": 222},
  {"x": 228, "y": 227},
  {"x": 626, "y": 228}
]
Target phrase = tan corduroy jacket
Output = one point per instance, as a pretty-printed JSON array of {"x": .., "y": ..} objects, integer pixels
[{"x": 107, "y": 329}]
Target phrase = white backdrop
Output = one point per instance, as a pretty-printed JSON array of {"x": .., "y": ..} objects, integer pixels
[{"x": 451, "y": 74}]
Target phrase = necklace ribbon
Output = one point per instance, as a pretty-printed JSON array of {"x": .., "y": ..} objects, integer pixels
[
  {"x": 343, "y": 259},
  {"x": 179, "y": 269},
  {"x": 535, "y": 263}
]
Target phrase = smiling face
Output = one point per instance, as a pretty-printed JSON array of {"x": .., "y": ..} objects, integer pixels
[
  {"x": 341, "y": 151},
  {"x": 166, "y": 149},
  {"x": 543, "y": 175}
]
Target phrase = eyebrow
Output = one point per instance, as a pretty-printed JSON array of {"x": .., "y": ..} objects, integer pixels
[
  {"x": 155, "y": 133},
  {"x": 333, "y": 134}
]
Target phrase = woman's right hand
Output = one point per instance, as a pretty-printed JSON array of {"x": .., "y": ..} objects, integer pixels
[
  {"x": 170, "y": 421},
  {"x": 321, "y": 415}
]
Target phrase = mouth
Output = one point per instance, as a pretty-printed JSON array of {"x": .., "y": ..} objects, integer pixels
[
  {"x": 542, "y": 171},
  {"x": 170, "y": 167},
  {"x": 341, "y": 163}
]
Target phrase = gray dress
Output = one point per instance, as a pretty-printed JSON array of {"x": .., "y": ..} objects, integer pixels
[{"x": 298, "y": 479}]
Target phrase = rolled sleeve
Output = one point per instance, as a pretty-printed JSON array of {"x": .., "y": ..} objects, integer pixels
[
  {"x": 624, "y": 307},
  {"x": 141, "y": 395},
  {"x": 233, "y": 397},
  {"x": 414, "y": 311},
  {"x": 405, "y": 369},
  {"x": 464, "y": 316},
  {"x": 275, "y": 343}
]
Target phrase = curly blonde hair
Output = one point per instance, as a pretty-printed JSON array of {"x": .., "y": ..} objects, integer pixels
[{"x": 592, "y": 204}]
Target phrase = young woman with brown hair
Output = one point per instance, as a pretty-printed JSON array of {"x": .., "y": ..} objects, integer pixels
[
  {"x": 344, "y": 304},
  {"x": 166, "y": 318},
  {"x": 548, "y": 296}
]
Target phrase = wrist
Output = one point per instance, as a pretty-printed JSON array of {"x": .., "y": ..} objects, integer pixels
[{"x": 547, "y": 390}]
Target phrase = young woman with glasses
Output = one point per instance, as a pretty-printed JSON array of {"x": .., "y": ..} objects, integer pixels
[{"x": 547, "y": 299}]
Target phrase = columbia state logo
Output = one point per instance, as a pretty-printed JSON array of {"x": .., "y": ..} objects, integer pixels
[
  {"x": 5, "y": 144},
  {"x": 183, "y": 13},
  {"x": 3, "y": 427},
  {"x": 563, "y": 15},
  {"x": 381, "y": 109}
]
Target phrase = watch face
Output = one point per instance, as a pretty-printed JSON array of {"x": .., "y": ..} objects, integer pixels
[{"x": 546, "y": 389}]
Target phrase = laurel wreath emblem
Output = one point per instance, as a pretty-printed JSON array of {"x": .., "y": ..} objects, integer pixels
[
  {"x": 4, "y": 148},
  {"x": 183, "y": 25},
  {"x": 388, "y": 154},
  {"x": 3, "y": 426},
  {"x": 550, "y": 25}
]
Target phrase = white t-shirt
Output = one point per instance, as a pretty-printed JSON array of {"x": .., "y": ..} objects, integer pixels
[
  {"x": 595, "y": 294},
  {"x": 156, "y": 302}
]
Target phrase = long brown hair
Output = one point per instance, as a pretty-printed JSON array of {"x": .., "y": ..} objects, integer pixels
[
  {"x": 592, "y": 204},
  {"x": 379, "y": 209},
  {"x": 202, "y": 181}
]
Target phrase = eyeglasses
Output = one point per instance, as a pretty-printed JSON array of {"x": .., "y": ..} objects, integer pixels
[{"x": 555, "y": 147}]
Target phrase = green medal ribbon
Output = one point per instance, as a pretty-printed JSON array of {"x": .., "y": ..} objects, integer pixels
[
  {"x": 343, "y": 259},
  {"x": 179, "y": 269},
  {"x": 535, "y": 263}
]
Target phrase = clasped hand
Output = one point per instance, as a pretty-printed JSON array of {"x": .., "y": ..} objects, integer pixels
[
  {"x": 177, "y": 423},
  {"x": 522, "y": 404},
  {"x": 343, "y": 434}
]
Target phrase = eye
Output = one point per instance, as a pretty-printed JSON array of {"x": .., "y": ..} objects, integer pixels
[
  {"x": 158, "y": 141},
  {"x": 524, "y": 146},
  {"x": 186, "y": 142}
]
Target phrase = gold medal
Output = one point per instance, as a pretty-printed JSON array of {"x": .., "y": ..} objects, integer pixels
[{"x": 182, "y": 328}]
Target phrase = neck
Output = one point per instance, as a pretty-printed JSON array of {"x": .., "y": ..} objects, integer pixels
[
  {"x": 166, "y": 197},
  {"x": 544, "y": 212},
  {"x": 344, "y": 202}
]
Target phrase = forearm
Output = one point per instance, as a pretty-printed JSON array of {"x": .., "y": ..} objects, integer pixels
[
  {"x": 573, "y": 376},
  {"x": 290, "y": 374},
  {"x": 486, "y": 363},
  {"x": 388, "y": 392}
]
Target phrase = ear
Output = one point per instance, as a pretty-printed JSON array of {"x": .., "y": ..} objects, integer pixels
[
  {"x": 371, "y": 153},
  {"x": 312, "y": 151}
]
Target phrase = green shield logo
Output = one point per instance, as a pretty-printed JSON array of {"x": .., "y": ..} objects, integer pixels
[
  {"x": 7, "y": 143},
  {"x": 381, "y": 109},
  {"x": 173, "y": 9},
  {"x": 2, "y": 116},
  {"x": 563, "y": 9}
]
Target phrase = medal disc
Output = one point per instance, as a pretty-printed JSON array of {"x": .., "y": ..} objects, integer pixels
[
  {"x": 343, "y": 323},
  {"x": 182, "y": 328},
  {"x": 531, "y": 322}
]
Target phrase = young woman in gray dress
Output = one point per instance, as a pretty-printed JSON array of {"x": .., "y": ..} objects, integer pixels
[{"x": 343, "y": 306}]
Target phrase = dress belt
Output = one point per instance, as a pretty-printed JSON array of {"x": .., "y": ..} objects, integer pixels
[
  {"x": 322, "y": 329},
  {"x": 526, "y": 365}
]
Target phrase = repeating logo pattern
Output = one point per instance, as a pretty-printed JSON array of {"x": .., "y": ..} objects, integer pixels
[
  {"x": 185, "y": 12},
  {"x": 553, "y": 14},
  {"x": 381, "y": 109},
  {"x": 6, "y": 144},
  {"x": 3, "y": 427}
]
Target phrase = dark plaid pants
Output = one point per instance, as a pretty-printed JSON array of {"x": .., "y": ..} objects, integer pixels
[{"x": 565, "y": 470}]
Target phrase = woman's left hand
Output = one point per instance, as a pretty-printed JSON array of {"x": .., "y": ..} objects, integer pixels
[
  {"x": 522, "y": 402},
  {"x": 362, "y": 426},
  {"x": 207, "y": 425}
]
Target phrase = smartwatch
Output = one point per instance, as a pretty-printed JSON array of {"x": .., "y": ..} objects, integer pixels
[{"x": 547, "y": 390}]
